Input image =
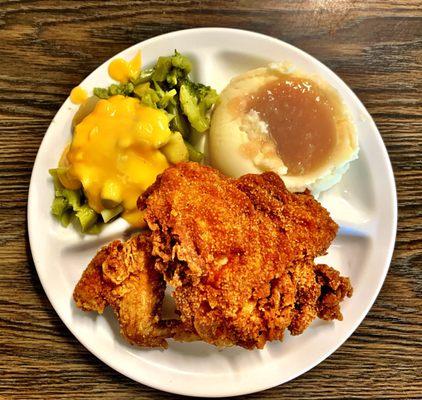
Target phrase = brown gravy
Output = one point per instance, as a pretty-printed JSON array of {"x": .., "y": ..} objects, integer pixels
[{"x": 300, "y": 119}]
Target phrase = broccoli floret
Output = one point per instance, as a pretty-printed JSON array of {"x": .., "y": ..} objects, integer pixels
[
  {"x": 125, "y": 89},
  {"x": 144, "y": 76},
  {"x": 167, "y": 86},
  {"x": 171, "y": 69},
  {"x": 101, "y": 93},
  {"x": 161, "y": 69},
  {"x": 181, "y": 62},
  {"x": 196, "y": 100},
  {"x": 178, "y": 122},
  {"x": 166, "y": 98}
]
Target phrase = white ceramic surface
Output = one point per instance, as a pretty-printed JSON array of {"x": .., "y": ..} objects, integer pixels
[{"x": 363, "y": 203}]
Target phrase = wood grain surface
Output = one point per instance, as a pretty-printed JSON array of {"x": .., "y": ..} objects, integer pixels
[{"x": 47, "y": 47}]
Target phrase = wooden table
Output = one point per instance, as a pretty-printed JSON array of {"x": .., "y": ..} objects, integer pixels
[{"x": 47, "y": 47}]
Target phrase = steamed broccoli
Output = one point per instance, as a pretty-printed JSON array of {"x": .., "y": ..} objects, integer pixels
[
  {"x": 196, "y": 100},
  {"x": 125, "y": 89},
  {"x": 168, "y": 87},
  {"x": 171, "y": 69}
]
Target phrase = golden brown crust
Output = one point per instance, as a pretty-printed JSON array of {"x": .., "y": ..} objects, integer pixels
[
  {"x": 308, "y": 225},
  {"x": 239, "y": 253},
  {"x": 122, "y": 275},
  {"x": 334, "y": 288}
]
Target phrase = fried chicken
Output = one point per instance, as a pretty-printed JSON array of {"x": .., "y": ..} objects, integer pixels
[
  {"x": 308, "y": 226},
  {"x": 122, "y": 275},
  {"x": 310, "y": 230},
  {"x": 238, "y": 252}
]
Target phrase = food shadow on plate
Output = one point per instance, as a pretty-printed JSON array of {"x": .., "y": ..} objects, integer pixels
[
  {"x": 347, "y": 254},
  {"x": 288, "y": 347},
  {"x": 351, "y": 202},
  {"x": 83, "y": 316},
  {"x": 233, "y": 357}
]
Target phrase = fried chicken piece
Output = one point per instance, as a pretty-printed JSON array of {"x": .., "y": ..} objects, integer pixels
[
  {"x": 308, "y": 226},
  {"x": 334, "y": 288},
  {"x": 307, "y": 293},
  {"x": 238, "y": 252},
  {"x": 310, "y": 231},
  {"x": 122, "y": 275},
  {"x": 319, "y": 291},
  {"x": 226, "y": 259}
]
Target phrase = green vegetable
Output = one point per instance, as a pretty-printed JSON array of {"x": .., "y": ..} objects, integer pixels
[
  {"x": 73, "y": 198},
  {"x": 67, "y": 205},
  {"x": 181, "y": 68},
  {"x": 144, "y": 76},
  {"x": 161, "y": 69},
  {"x": 157, "y": 97},
  {"x": 84, "y": 109},
  {"x": 109, "y": 214},
  {"x": 95, "y": 229},
  {"x": 65, "y": 199},
  {"x": 174, "y": 76},
  {"x": 86, "y": 217},
  {"x": 146, "y": 94},
  {"x": 59, "y": 206},
  {"x": 171, "y": 86},
  {"x": 181, "y": 62},
  {"x": 172, "y": 69},
  {"x": 160, "y": 92},
  {"x": 166, "y": 98},
  {"x": 54, "y": 174},
  {"x": 141, "y": 89},
  {"x": 108, "y": 203},
  {"x": 196, "y": 100},
  {"x": 111, "y": 195},
  {"x": 102, "y": 93},
  {"x": 194, "y": 155},
  {"x": 65, "y": 218},
  {"x": 125, "y": 89},
  {"x": 175, "y": 150},
  {"x": 179, "y": 122},
  {"x": 165, "y": 86}
]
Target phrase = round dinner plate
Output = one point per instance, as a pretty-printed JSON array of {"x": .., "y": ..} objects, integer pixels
[{"x": 363, "y": 204}]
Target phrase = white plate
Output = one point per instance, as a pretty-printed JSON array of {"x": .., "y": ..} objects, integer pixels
[{"x": 364, "y": 204}]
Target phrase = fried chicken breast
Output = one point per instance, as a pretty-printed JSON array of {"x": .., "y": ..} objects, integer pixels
[{"x": 239, "y": 253}]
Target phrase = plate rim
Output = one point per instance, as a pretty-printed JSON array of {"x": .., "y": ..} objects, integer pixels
[{"x": 391, "y": 244}]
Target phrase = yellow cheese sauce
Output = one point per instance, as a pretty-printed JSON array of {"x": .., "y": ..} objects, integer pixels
[
  {"x": 78, "y": 95},
  {"x": 122, "y": 70},
  {"x": 115, "y": 154}
]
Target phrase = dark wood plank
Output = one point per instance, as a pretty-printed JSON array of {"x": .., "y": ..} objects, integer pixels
[{"x": 46, "y": 47}]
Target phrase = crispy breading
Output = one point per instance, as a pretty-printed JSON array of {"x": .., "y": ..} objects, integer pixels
[
  {"x": 308, "y": 226},
  {"x": 310, "y": 230},
  {"x": 307, "y": 293},
  {"x": 334, "y": 288},
  {"x": 226, "y": 259},
  {"x": 122, "y": 275},
  {"x": 238, "y": 252}
]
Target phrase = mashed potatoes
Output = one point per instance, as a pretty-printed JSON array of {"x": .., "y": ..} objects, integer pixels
[{"x": 277, "y": 119}]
